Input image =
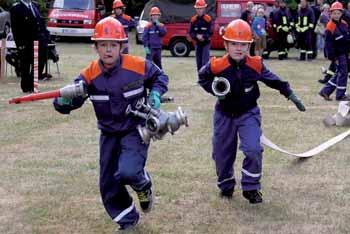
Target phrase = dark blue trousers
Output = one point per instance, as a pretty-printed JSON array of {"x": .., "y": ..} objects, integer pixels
[
  {"x": 155, "y": 56},
  {"x": 122, "y": 162},
  {"x": 340, "y": 80},
  {"x": 227, "y": 129},
  {"x": 202, "y": 55},
  {"x": 281, "y": 43},
  {"x": 305, "y": 43}
]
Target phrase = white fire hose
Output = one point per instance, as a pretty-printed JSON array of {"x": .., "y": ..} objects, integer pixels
[
  {"x": 318, "y": 149},
  {"x": 221, "y": 87}
]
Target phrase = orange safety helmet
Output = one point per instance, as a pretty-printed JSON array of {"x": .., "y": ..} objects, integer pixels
[
  {"x": 200, "y": 4},
  {"x": 239, "y": 31},
  {"x": 109, "y": 29},
  {"x": 117, "y": 4},
  {"x": 155, "y": 11},
  {"x": 336, "y": 6}
]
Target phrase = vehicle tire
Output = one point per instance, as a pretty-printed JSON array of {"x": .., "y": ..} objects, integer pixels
[{"x": 180, "y": 48}]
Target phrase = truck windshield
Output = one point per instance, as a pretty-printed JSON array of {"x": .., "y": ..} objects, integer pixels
[
  {"x": 74, "y": 4},
  {"x": 231, "y": 10}
]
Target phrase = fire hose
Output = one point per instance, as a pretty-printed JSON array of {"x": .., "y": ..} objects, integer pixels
[
  {"x": 221, "y": 87},
  {"x": 314, "y": 151}
]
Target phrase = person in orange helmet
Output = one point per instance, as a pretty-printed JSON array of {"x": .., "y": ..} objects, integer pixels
[
  {"x": 201, "y": 30},
  {"x": 233, "y": 80},
  {"x": 337, "y": 39},
  {"x": 112, "y": 83},
  {"x": 152, "y": 37},
  {"x": 124, "y": 19}
]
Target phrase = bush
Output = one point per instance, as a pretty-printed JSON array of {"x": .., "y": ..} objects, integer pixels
[{"x": 6, "y": 4}]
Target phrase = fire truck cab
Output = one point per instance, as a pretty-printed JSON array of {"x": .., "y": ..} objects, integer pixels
[{"x": 75, "y": 18}]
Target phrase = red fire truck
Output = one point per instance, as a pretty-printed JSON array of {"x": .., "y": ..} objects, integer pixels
[{"x": 75, "y": 18}]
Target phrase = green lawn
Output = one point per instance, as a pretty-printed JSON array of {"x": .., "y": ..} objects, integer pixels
[{"x": 49, "y": 162}]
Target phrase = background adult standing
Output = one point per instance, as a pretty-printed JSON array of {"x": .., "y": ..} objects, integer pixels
[{"x": 28, "y": 26}]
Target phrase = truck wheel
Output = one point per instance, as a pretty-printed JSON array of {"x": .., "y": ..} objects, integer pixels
[{"x": 180, "y": 48}]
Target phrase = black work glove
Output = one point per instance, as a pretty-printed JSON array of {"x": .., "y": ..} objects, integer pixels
[{"x": 297, "y": 102}]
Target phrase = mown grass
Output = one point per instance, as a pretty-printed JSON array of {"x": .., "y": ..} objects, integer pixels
[{"x": 49, "y": 162}]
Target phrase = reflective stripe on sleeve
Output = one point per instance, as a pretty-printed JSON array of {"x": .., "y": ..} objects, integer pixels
[{"x": 99, "y": 97}]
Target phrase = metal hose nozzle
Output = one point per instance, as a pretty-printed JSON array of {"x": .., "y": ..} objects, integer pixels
[{"x": 221, "y": 86}]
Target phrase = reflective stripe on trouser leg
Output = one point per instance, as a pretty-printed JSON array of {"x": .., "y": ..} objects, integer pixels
[
  {"x": 126, "y": 216},
  {"x": 342, "y": 76},
  {"x": 329, "y": 72},
  {"x": 224, "y": 149},
  {"x": 249, "y": 132},
  {"x": 115, "y": 196},
  {"x": 330, "y": 86},
  {"x": 131, "y": 163}
]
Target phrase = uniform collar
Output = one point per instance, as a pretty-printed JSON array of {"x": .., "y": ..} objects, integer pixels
[
  {"x": 26, "y": 3},
  {"x": 234, "y": 63},
  {"x": 112, "y": 69}
]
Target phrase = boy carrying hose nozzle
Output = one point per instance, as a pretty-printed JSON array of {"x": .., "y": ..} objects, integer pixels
[
  {"x": 237, "y": 113},
  {"x": 113, "y": 82}
]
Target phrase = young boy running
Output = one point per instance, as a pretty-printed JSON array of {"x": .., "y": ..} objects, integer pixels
[
  {"x": 237, "y": 113},
  {"x": 113, "y": 82}
]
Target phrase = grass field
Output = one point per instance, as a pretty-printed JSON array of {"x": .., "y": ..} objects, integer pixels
[{"x": 49, "y": 162}]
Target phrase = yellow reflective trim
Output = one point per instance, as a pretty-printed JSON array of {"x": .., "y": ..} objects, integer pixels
[
  {"x": 305, "y": 20},
  {"x": 284, "y": 20}
]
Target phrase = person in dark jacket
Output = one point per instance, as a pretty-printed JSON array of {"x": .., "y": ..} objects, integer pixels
[
  {"x": 28, "y": 26},
  {"x": 247, "y": 14},
  {"x": 317, "y": 9},
  {"x": 152, "y": 37},
  {"x": 201, "y": 32},
  {"x": 282, "y": 22},
  {"x": 337, "y": 50},
  {"x": 304, "y": 27},
  {"x": 236, "y": 111},
  {"x": 127, "y": 22},
  {"x": 112, "y": 83}
]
